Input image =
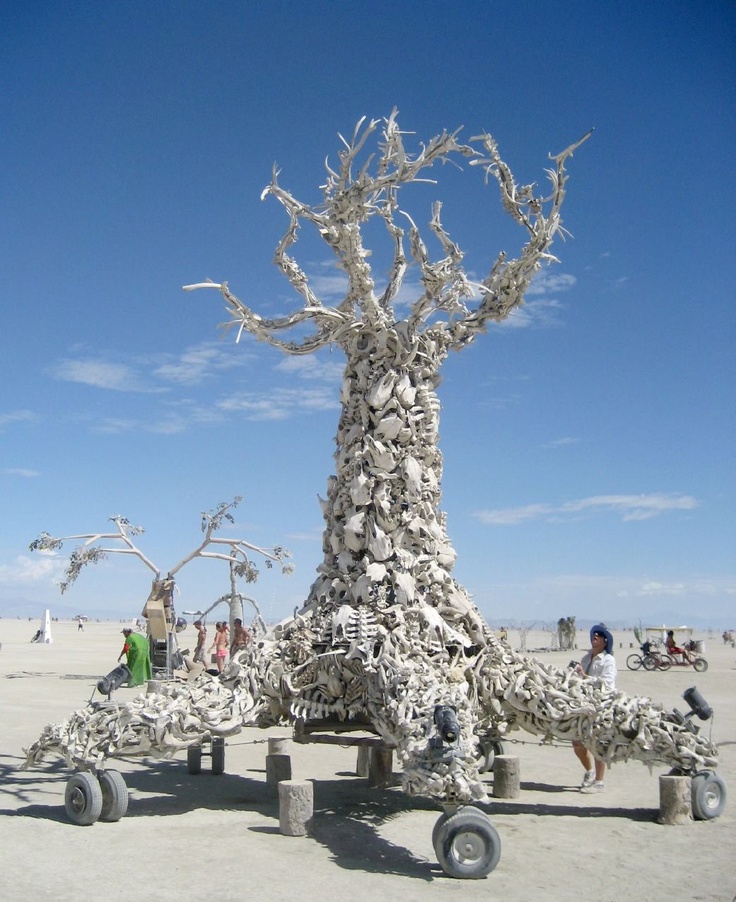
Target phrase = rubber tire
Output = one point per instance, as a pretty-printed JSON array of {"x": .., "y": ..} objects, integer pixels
[
  {"x": 83, "y": 799},
  {"x": 664, "y": 662},
  {"x": 114, "y": 796},
  {"x": 218, "y": 755},
  {"x": 436, "y": 829},
  {"x": 700, "y": 664},
  {"x": 709, "y": 795},
  {"x": 468, "y": 809},
  {"x": 491, "y": 749},
  {"x": 648, "y": 663},
  {"x": 194, "y": 759},
  {"x": 467, "y": 845},
  {"x": 634, "y": 661}
]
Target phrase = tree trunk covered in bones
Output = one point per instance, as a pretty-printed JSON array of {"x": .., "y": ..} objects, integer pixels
[{"x": 385, "y": 538}]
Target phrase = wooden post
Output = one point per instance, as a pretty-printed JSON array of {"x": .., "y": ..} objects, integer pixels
[
  {"x": 675, "y": 801},
  {"x": 278, "y": 768},
  {"x": 506, "y": 777},
  {"x": 363, "y": 765},
  {"x": 380, "y": 767},
  {"x": 278, "y": 745},
  {"x": 296, "y": 807}
]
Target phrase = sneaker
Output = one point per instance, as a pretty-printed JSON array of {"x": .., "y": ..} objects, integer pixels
[
  {"x": 588, "y": 779},
  {"x": 596, "y": 786}
]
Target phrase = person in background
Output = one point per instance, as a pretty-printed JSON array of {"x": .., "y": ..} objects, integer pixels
[
  {"x": 674, "y": 649},
  {"x": 597, "y": 663},
  {"x": 220, "y": 645},
  {"x": 241, "y": 637},
  {"x": 201, "y": 639},
  {"x": 138, "y": 658}
]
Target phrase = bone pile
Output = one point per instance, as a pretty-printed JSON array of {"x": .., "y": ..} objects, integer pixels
[
  {"x": 388, "y": 673},
  {"x": 158, "y": 724},
  {"x": 395, "y": 673}
]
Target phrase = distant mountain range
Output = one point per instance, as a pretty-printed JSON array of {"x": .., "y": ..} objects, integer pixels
[{"x": 657, "y": 618}]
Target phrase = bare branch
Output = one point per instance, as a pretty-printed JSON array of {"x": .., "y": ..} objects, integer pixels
[
  {"x": 238, "y": 549},
  {"x": 90, "y": 552},
  {"x": 505, "y": 286},
  {"x": 351, "y": 200}
]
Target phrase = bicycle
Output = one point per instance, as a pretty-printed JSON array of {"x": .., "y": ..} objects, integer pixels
[
  {"x": 656, "y": 660},
  {"x": 634, "y": 661},
  {"x": 650, "y": 659}
]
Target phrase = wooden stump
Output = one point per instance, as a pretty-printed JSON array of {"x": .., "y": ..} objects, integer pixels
[
  {"x": 278, "y": 745},
  {"x": 380, "y": 767},
  {"x": 278, "y": 768},
  {"x": 675, "y": 800},
  {"x": 296, "y": 807},
  {"x": 363, "y": 763},
  {"x": 506, "y": 777}
]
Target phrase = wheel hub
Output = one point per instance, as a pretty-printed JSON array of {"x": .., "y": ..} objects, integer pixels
[
  {"x": 711, "y": 798},
  {"x": 468, "y": 846}
]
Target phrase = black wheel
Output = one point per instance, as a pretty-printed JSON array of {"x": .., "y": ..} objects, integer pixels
[
  {"x": 708, "y": 795},
  {"x": 83, "y": 799},
  {"x": 218, "y": 755},
  {"x": 648, "y": 662},
  {"x": 468, "y": 809},
  {"x": 700, "y": 664},
  {"x": 467, "y": 845},
  {"x": 436, "y": 829},
  {"x": 194, "y": 759},
  {"x": 114, "y": 795},
  {"x": 634, "y": 661},
  {"x": 664, "y": 662},
  {"x": 489, "y": 748}
]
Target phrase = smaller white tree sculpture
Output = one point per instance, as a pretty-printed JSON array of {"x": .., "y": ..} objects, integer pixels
[
  {"x": 238, "y": 553},
  {"x": 523, "y": 629}
]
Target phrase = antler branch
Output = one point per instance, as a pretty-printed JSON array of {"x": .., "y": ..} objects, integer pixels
[{"x": 353, "y": 196}]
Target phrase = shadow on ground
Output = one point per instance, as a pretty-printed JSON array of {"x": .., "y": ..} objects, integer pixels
[{"x": 348, "y": 812}]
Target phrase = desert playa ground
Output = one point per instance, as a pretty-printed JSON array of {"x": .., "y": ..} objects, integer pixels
[{"x": 217, "y": 837}]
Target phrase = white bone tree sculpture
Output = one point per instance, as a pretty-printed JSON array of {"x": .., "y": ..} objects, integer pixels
[
  {"x": 238, "y": 553},
  {"x": 386, "y": 635}
]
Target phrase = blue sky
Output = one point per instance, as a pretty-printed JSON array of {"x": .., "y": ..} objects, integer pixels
[{"x": 588, "y": 442}]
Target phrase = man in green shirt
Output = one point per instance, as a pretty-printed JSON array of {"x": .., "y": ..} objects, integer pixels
[{"x": 138, "y": 658}]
